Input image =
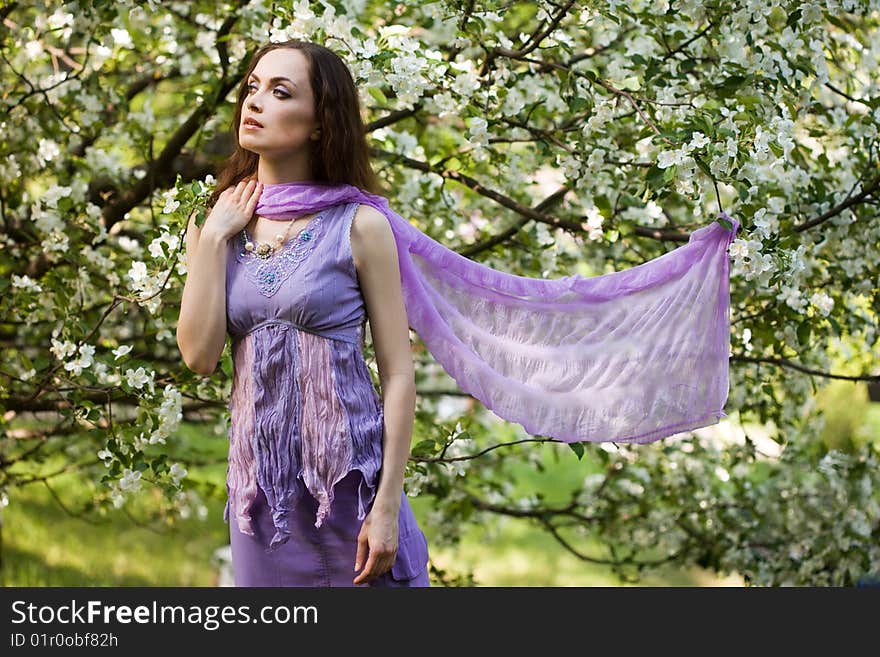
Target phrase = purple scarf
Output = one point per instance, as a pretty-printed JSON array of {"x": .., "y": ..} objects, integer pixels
[{"x": 632, "y": 356}]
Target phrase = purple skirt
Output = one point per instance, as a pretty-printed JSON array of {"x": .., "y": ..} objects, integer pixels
[{"x": 323, "y": 556}]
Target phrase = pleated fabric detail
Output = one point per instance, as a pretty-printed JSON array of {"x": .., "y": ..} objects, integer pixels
[
  {"x": 276, "y": 426},
  {"x": 241, "y": 481},
  {"x": 365, "y": 416},
  {"x": 325, "y": 436},
  {"x": 304, "y": 414}
]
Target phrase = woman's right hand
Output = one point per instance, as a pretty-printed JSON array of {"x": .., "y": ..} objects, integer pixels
[{"x": 234, "y": 208}]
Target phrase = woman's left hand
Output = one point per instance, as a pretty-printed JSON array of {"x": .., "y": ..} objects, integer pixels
[{"x": 377, "y": 545}]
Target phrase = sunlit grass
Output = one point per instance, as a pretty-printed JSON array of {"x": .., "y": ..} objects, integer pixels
[{"x": 42, "y": 545}]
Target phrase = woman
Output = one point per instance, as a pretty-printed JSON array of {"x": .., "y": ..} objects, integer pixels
[{"x": 316, "y": 458}]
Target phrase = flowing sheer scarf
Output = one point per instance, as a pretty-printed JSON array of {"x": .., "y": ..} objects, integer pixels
[{"x": 631, "y": 356}]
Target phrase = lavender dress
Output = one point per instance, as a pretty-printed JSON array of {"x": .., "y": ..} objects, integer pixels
[{"x": 305, "y": 443}]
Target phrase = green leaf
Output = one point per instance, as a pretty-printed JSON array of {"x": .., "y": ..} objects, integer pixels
[
  {"x": 578, "y": 104},
  {"x": 804, "y": 330},
  {"x": 631, "y": 83},
  {"x": 751, "y": 101},
  {"x": 732, "y": 83},
  {"x": 603, "y": 204},
  {"x": 376, "y": 93},
  {"x": 836, "y": 326},
  {"x": 424, "y": 447},
  {"x": 654, "y": 178},
  {"x": 577, "y": 448}
]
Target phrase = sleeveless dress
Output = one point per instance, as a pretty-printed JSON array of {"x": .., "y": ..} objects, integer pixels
[{"x": 305, "y": 441}]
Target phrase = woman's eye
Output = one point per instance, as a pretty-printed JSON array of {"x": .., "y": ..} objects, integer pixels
[{"x": 283, "y": 93}]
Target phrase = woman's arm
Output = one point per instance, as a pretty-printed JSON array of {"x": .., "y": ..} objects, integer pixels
[
  {"x": 201, "y": 326},
  {"x": 375, "y": 255}
]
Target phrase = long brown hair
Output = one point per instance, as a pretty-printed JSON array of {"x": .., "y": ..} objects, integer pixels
[{"x": 341, "y": 155}]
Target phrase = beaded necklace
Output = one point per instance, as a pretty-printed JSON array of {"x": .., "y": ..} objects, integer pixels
[{"x": 266, "y": 249}]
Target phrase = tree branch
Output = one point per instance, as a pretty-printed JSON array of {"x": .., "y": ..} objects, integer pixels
[
  {"x": 800, "y": 368},
  {"x": 837, "y": 209}
]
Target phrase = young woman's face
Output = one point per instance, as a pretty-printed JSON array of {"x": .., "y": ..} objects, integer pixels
[{"x": 284, "y": 107}]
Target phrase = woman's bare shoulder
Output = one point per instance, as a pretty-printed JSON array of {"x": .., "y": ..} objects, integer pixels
[{"x": 371, "y": 235}]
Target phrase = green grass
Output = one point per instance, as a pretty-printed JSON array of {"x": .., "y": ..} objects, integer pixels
[
  {"x": 44, "y": 545},
  {"x": 851, "y": 419},
  {"x": 522, "y": 556}
]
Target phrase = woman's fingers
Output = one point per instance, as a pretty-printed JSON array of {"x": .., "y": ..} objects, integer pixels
[
  {"x": 255, "y": 196},
  {"x": 377, "y": 565},
  {"x": 241, "y": 189},
  {"x": 363, "y": 549},
  {"x": 367, "y": 573},
  {"x": 236, "y": 192}
]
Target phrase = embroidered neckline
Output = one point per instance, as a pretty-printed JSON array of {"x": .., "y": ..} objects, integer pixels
[
  {"x": 267, "y": 274},
  {"x": 304, "y": 234}
]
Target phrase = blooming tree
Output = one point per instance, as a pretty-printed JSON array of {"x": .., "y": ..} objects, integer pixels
[{"x": 542, "y": 138}]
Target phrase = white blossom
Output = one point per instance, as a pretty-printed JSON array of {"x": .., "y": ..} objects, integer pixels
[
  {"x": 131, "y": 480},
  {"x": 139, "y": 378},
  {"x": 121, "y": 37},
  {"x": 120, "y": 351},
  {"x": 171, "y": 202},
  {"x": 86, "y": 354},
  {"x": 62, "y": 350},
  {"x": 26, "y": 283},
  {"x": 477, "y": 134},
  {"x": 47, "y": 150},
  {"x": 177, "y": 473},
  {"x": 822, "y": 302}
]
